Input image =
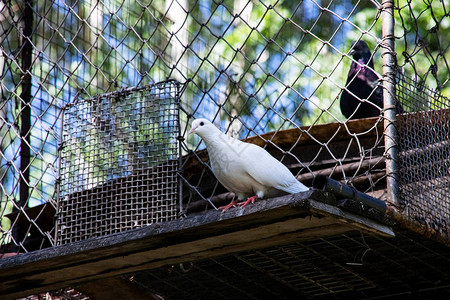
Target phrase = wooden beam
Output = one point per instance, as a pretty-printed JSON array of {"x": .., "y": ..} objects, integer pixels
[{"x": 266, "y": 223}]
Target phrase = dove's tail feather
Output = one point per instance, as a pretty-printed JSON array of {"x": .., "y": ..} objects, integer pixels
[{"x": 297, "y": 187}]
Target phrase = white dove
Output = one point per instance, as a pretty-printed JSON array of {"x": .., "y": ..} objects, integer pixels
[{"x": 245, "y": 169}]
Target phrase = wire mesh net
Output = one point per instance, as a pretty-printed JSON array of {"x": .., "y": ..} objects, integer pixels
[
  {"x": 424, "y": 166},
  {"x": 29, "y": 114},
  {"x": 349, "y": 266},
  {"x": 424, "y": 132},
  {"x": 267, "y": 74},
  {"x": 274, "y": 70},
  {"x": 119, "y": 162}
]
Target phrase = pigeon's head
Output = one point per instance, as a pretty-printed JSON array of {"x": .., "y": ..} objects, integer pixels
[
  {"x": 360, "y": 50},
  {"x": 202, "y": 127}
]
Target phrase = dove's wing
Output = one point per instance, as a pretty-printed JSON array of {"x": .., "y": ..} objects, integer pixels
[{"x": 268, "y": 171}]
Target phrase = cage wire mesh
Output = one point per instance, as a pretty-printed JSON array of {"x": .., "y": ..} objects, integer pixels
[
  {"x": 424, "y": 132},
  {"x": 251, "y": 67},
  {"x": 349, "y": 266},
  {"x": 120, "y": 159},
  {"x": 270, "y": 75},
  {"x": 29, "y": 135},
  {"x": 424, "y": 148}
]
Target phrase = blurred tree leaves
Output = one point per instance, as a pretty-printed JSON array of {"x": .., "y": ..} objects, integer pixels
[
  {"x": 282, "y": 60},
  {"x": 264, "y": 62},
  {"x": 423, "y": 42}
]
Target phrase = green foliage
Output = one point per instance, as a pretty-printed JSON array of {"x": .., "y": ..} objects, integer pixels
[
  {"x": 423, "y": 31},
  {"x": 6, "y": 207},
  {"x": 279, "y": 58}
]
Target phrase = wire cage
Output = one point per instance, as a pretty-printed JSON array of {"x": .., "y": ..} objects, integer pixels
[
  {"x": 424, "y": 156},
  {"x": 269, "y": 72},
  {"x": 272, "y": 88},
  {"x": 120, "y": 159},
  {"x": 423, "y": 131},
  {"x": 350, "y": 266},
  {"x": 272, "y": 73}
]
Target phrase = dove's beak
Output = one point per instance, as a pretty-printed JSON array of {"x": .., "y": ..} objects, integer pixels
[{"x": 192, "y": 129}]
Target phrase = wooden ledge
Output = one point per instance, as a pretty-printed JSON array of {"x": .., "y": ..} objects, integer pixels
[{"x": 202, "y": 235}]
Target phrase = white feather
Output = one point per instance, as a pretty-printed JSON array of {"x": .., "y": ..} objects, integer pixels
[{"x": 243, "y": 168}]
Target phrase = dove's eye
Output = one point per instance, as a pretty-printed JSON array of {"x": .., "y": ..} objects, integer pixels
[{"x": 202, "y": 123}]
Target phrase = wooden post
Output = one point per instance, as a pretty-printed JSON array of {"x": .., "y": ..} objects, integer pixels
[{"x": 19, "y": 231}]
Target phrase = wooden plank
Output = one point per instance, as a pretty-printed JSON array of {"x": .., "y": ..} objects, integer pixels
[
  {"x": 320, "y": 133},
  {"x": 346, "y": 217},
  {"x": 268, "y": 222}
]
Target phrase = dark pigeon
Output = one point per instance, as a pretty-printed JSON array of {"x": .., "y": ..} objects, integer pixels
[{"x": 364, "y": 84}]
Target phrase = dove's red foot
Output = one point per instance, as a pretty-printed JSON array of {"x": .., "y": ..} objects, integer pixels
[
  {"x": 251, "y": 199},
  {"x": 226, "y": 207}
]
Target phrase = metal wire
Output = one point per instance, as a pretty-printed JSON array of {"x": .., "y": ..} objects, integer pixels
[
  {"x": 423, "y": 133},
  {"x": 424, "y": 156},
  {"x": 270, "y": 78},
  {"x": 252, "y": 67},
  {"x": 346, "y": 266},
  {"x": 119, "y": 162}
]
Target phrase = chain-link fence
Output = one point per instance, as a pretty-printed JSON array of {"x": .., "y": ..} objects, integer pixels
[
  {"x": 276, "y": 70},
  {"x": 424, "y": 132}
]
